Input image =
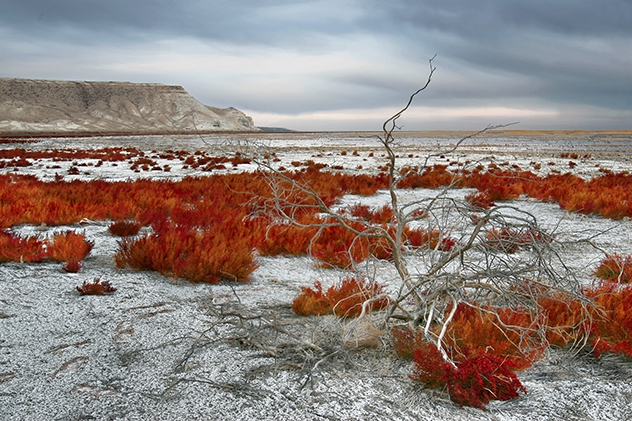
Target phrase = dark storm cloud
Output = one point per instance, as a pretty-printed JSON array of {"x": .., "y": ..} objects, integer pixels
[
  {"x": 572, "y": 50},
  {"x": 284, "y": 22},
  {"x": 491, "y": 19}
]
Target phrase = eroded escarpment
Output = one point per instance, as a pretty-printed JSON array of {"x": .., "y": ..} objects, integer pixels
[{"x": 30, "y": 106}]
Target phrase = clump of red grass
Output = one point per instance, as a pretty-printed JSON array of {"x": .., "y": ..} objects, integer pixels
[
  {"x": 512, "y": 240},
  {"x": 431, "y": 178},
  {"x": 125, "y": 228},
  {"x": 382, "y": 215},
  {"x": 21, "y": 249},
  {"x": 488, "y": 344},
  {"x": 96, "y": 287},
  {"x": 472, "y": 381},
  {"x": 344, "y": 300},
  {"x": 72, "y": 266},
  {"x": 615, "y": 268},
  {"x": 69, "y": 245},
  {"x": 429, "y": 239},
  {"x": 187, "y": 252},
  {"x": 336, "y": 246},
  {"x": 611, "y": 330},
  {"x": 480, "y": 200}
]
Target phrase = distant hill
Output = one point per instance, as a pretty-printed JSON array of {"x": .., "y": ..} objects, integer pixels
[{"x": 30, "y": 106}]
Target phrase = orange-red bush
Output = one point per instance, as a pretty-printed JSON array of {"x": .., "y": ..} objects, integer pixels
[
  {"x": 72, "y": 266},
  {"x": 125, "y": 228},
  {"x": 612, "y": 318},
  {"x": 344, "y": 300},
  {"x": 480, "y": 200},
  {"x": 96, "y": 287},
  {"x": 288, "y": 239},
  {"x": 615, "y": 268},
  {"x": 430, "y": 239},
  {"x": 20, "y": 249},
  {"x": 68, "y": 246},
  {"x": 510, "y": 240},
  {"x": 382, "y": 215},
  {"x": 190, "y": 253},
  {"x": 504, "y": 332},
  {"x": 475, "y": 380},
  {"x": 336, "y": 246},
  {"x": 431, "y": 178},
  {"x": 311, "y": 301},
  {"x": 348, "y": 297}
]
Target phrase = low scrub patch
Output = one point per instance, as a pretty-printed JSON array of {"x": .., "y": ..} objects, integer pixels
[{"x": 344, "y": 300}]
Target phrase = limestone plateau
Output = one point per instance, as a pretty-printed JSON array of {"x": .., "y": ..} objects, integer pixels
[{"x": 49, "y": 107}]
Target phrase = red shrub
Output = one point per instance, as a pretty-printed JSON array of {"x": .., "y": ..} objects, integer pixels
[
  {"x": 431, "y": 178},
  {"x": 72, "y": 266},
  {"x": 615, "y": 268},
  {"x": 383, "y": 215},
  {"x": 96, "y": 287},
  {"x": 336, "y": 246},
  {"x": 68, "y": 246},
  {"x": 311, "y": 301},
  {"x": 124, "y": 228},
  {"x": 480, "y": 200},
  {"x": 566, "y": 318},
  {"x": 19, "y": 249},
  {"x": 475, "y": 380},
  {"x": 288, "y": 239},
  {"x": 505, "y": 240},
  {"x": 348, "y": 297},
  {"x": 612, "y": 320},
  {"x": 504, "y": 332},
  {"x": 190, "y": 253},
  {"x": 406, "y": 340},
  {"x": 430, "y": 239},
  {"x": 344, "y": 300}
]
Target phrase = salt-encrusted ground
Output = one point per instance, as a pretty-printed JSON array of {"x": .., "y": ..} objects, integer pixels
[{"x": 162, "y": 349}]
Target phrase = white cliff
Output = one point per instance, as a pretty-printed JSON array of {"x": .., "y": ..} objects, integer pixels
[{"x": 30, "y": 106}]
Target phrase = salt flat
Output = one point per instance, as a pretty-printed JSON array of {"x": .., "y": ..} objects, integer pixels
[{"x": 165, "y": 349}]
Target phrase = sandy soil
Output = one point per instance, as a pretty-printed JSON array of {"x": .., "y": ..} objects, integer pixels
[{"x": 165, "y": 349}]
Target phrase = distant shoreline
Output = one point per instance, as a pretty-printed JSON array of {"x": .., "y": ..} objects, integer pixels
[{"x": 288, "y": 133}]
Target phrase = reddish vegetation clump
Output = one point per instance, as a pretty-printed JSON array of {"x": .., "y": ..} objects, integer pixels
[
  {"x": 124, "y": 228},
  {"x": 63, "y": 247},
  {"x": 344, "y": 300},
  {"x": 193, "y": 254},
  {"x": 336, "y": 246},
  {"x": 19, "y": 249},
  {"x": 472, "y": 381},
  {"x": 96, "y": 287},
  {"x": 611, "y": 330},
  {"x": 383, "y": 215},
  {"x": 68, "y": 246},
  {"x": 488, "y": 344},
  {"x": 72, "y": 266},
  {"x": 480, "y": 200},
  {"x": 311, "y": 301},
  {"x": 615, "y": 268},
  {"x": 510, "y": 240},
  {"x": 430, "y": 239}
]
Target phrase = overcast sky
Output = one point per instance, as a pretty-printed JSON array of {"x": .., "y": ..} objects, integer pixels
[{"x": 346, "y": 64}]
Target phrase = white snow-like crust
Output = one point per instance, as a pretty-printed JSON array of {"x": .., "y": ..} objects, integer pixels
[{"x": 155, "y": 350}]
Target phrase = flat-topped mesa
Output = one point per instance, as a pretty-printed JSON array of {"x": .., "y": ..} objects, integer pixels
[{"x": 30, "y": 106}]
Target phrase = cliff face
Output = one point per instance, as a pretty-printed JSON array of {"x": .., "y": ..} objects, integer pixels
[{"x": 47, "y": 107}]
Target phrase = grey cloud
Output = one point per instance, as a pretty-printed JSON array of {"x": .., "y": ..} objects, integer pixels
[
  {"x": 253, "y": 22},
  {"x": 554, "y": 44},
  {"x": 489, "y": 19}
]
